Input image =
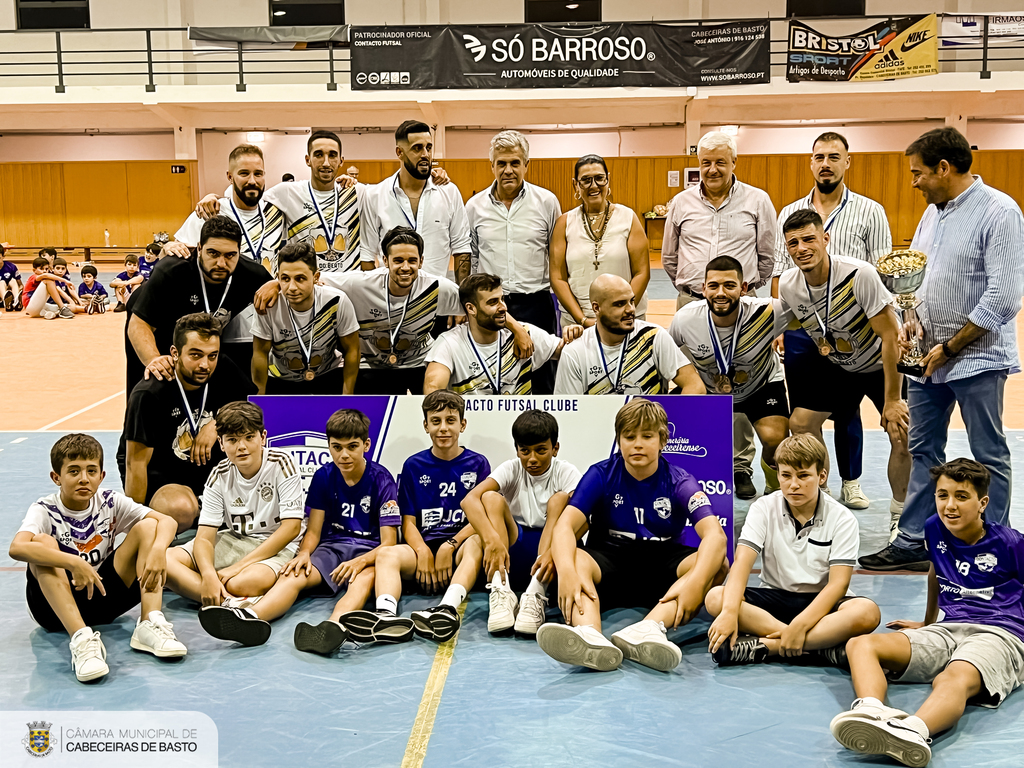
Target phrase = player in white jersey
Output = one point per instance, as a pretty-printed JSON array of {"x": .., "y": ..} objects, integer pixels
[
  {"x": 308, "y": 342},
  {"x": 729, "y": 337},
  {"x": 478, "y": 357},
  {"x": 620, "y": 355},
  {"x": 77, "y": 576},
  {"x": 846, "y": 311},
  {"x": 250, "y": 523}
]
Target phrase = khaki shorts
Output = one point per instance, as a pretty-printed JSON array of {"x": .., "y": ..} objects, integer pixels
[
  {"x": 997, "y": 654},
  {"x": 229, "y": 548}
]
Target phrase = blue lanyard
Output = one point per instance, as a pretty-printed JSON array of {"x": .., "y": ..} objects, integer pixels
[
  {"x": 837, "y": 211},
  {"x": 328, "y": 231},
  {"x": 604, "y": 362},
  {"x": 494, "y": 386},
  {"x": 193, "y": 424},
  {"x": 822, "y": 324},
  {"x": 256, "y": 253},
  {"x": 725, "y": 363}
]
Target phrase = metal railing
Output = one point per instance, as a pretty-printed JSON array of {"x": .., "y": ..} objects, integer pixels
[{"x": 163, "y": 56}]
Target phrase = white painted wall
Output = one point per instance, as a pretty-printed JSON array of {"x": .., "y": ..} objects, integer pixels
[{"x": 62, "y": 149}]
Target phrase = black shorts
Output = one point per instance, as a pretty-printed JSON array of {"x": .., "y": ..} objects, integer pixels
[
  {"x": 819, "y": 385},
  {"x": 636, "y": 573},
  {"x": 102, "y": 609},
  {"x": 783, "y": 604},
  {"x": 769, "y": 400},
  {"x": 330, "y": 383}
]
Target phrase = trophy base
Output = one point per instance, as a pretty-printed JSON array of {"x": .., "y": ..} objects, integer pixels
[{"x": 911, "y": 370}]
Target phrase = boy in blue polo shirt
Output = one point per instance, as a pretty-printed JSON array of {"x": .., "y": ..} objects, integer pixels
[{"x": 91, "y": 292}]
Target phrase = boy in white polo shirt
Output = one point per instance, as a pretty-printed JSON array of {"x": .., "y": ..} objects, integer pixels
[
  {"x": 514, "y": 511},
  {"x": 808, "y": 545}
]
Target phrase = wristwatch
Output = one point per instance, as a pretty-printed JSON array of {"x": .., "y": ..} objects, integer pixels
[{"x": 947, "y": 351}]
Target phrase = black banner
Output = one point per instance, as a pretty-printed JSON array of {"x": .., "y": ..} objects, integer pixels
[{"x": 545, "y": 56}]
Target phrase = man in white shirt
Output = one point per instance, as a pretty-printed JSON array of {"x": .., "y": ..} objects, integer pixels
[
  {"x": 510, "y": 226},
  {"x": 620, "y": 355}
]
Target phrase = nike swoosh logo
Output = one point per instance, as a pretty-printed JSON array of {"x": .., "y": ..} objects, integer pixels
[{"x": 904, "y": 48}]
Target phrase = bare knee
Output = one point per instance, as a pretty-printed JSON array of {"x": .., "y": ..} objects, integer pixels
[
  {"x": 962, "y": 676},
  {"x": 713, "y": 602},
  {"x": 388, "y": 557},
  {"x": 492, "y": 500},
  {"x": 861, "y": 645},
  {"x": 867, "y": 617},
  {"x": 178, "y": 503}
]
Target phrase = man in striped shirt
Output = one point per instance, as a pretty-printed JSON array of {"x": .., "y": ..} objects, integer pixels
[
  {"x": 857, "y": 229},
  {"x": 971, "y": 294}
]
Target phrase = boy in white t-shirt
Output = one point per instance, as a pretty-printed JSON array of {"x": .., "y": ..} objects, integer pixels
[
  {"x": 250, "y": 522},
  {"x": 76, "y": 577},
  {"x": 808, "y": 546},
  {"x": 514, "y": 511}
]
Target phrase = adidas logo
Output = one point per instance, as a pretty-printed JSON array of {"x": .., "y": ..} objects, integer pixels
[
  {"x": 238, "y": 502},
  {"x": 889, "y": 61}
]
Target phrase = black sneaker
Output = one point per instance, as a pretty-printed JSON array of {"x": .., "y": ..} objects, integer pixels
[
  {"x": 376, "y": 627},
  {"x": 835, "y": 656},
  {"x": 234, "y": 624},
  {"x": 325, "y": 638},
  {"x": 18, "y": 306},
  {"x": 896, "y": 558},
  {"x": 439, "y": 623},
  {"x": 746, "y": 650},
  {"x": 743, "y": 486},
  {"x": 120, "y": 307},
  {"x": 9, "y": 300}
]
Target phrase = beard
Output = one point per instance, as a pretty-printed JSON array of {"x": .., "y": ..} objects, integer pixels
[
  {"x": 491, "y": 322},
  {"x": 726, "y": 312},
  {"x": 415, "y": 172},
  {"x": 828, "y": 187},
  {"x": 619, "y": 327},
  {"x": 244, "y": 193}
]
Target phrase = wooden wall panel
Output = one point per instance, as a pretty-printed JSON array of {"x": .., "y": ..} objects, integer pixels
[
  {"x": 33, "y": 204},
  {"x": 96, "y": 198},
  {"x": 158, "y": 200}
]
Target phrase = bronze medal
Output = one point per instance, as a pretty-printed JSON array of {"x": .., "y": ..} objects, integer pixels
[
  {"x": 310, "y": 374},
  {"x": 723, "y": 385},
  {"x": 824, "y": 347},
  {"x": 392, "y": 359},
  {"x": 741, "y": 377}
]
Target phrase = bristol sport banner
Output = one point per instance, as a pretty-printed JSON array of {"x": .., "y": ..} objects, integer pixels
[
  {"x": 700, "y": 433},
  {"x": 545, "y": 56},
  {"x": 897, "y": 48}
]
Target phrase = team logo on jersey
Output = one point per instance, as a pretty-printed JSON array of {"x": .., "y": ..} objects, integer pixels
[
  {"x": 468, "y": 480},
  {"x": 618, "y": 500},
  {"x": 194, "y": 299},
  {"x": 663, "y": 506},
  {"x": 772, "y": 401},
  {"x": 986, "y": 562},
  {"x": 595, "y": 370},
  {"x": 425, "y": 480},
  {"x": 39, "y": 743},
  {"x": 266, "y": 491},
  {"x": 703, "y": 349},
  {"x": 941, "y": 546},
  {"x": 176, "y": 413},
  {"x": 802, "y": 309},
  {"x": 238, "y": 502},
  {"x": 364, "y": 504},
  {"x": 698, "y": 500},
  {"x": 374, "y": 312}
]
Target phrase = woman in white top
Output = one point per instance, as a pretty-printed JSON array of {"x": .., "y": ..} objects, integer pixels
[{"x": 599, "y": 237}]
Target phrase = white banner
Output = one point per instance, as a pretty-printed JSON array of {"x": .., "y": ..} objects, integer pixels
[{"x": 968, "y": 30}]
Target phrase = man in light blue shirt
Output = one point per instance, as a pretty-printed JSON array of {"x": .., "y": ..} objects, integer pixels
[{"x": 971, "y": 294}]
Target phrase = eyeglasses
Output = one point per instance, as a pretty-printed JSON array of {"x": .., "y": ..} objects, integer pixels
[{"x": 587, "y": 181}]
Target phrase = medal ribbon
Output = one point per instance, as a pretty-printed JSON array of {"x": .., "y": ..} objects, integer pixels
[
  {"x": 193, "y": 424},
  {"x": 328, "y": 231},
  {"x": 725, "y": 363},
  {"x": 495, "y": 387},
  {"x": 306, "y": 353},
  {"x": 822, "y": 324},
  {"x": 257, "y": 252},
  {"x": 206, "y": 300},
  {"x": 604, "y": 362},
  {"x": 393, "y": 334}
]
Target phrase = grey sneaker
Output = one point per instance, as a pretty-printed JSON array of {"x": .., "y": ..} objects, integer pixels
[{"x": 65, "y": 313}]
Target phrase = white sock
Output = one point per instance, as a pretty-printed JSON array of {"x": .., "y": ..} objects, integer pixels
[
  {"x": 497, "y": 581},
  {"x": 537, "y": 587},
  {"x": 387, "y": 603},
  {"x": 454, "y": 595},
  {"x": 81, "y": 634},
  {"x": 870, "y": 701},
  {"x": 896, "y": 507}
]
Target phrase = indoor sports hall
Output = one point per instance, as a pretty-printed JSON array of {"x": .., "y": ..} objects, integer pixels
[{"x": 118, "y": 120}]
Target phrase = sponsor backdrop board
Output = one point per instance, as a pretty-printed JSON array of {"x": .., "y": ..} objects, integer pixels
[
  {"x": 546, "y": 56},
  {"x": 892, "y": 49},
  {"x": 700, "y": 433}
]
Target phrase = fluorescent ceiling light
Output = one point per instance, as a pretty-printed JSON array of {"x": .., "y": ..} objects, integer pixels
[
  {"x": 730, "y": 130},
  {"x": 573, "y": 6},
  {"x": 255, "y": 137},
  {"x": 280, "y": 13}
]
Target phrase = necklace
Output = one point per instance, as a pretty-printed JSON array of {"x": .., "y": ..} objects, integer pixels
[{"x": 596, "y": 237}]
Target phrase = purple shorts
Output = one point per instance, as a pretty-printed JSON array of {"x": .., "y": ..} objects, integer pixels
[{"x": 330, "y": 554}]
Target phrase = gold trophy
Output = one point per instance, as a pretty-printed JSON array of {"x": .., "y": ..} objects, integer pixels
[{"x": 902, "y": 272}]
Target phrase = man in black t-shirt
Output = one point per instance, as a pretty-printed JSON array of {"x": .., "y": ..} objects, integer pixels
[
  {"x": 169, "y": 442},
  {"x": 216, "y": 281}
]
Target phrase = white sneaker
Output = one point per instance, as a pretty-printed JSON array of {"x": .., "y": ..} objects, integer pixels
[
  {"x": 646, "y": 643},
  {"x": 88, "y": 656},
  {"x": 863, "y": 710},
  {"x": 503, "y": 608},
  {"x": 48, "y": 314},
  {"x": 579, "y": 646},
  {"x": 156, "y": 635},
  {"x": 852, "y": 495},
  {"x": 894, "y": 737},
  {"x": 531, "y": 613}
]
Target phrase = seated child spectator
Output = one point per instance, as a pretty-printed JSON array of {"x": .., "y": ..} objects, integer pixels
[
  {"x": 126, "y": 282},
  {"x": 10, "y": 284},
  {"x": 91, "y": 292},
  {"x": 149, "y": 259},
  {"x": 42, "y": 296},
  {"x": 76, "y": 577}
]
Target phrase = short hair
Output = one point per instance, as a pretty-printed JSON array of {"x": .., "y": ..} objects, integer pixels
[
  {"x": 724, "y": 264},
  {"x": 473, "y": 284},
  {"x": 830, "y": 136},
  {"x": 75, "y": 446},
  {"x": 801, "y": 451},
  {"x": 202, "y": 323},
  {"x": 964, "y": 471},
  {"x": 48, "y": 250},
  {"x": 410, "y": 126},
  {"x": 131, "y": 258},
  {"x": 401, "y": 236},
  {"x": 322, "y": 135},
  {"x": 641, "y": 413},
  {"x": 533, "y": 427},
  {"x": 60, "y": 262},
  {"x": 89, "y": 269},
  {"x": 239, "y": 418},
  {"x": 295, "y": 252},
  {"x": 244, "y": 149},
  {"x": 288, "y": 177},
  {"x": 717, "y": 140},
  {"x": 2, "y": 249},
  {"x": 510, "y": 141},
  {"x": 222, "y": 227},
  {"x": 40, "y": 261},
  {"x": 154, "y": 248},
  {"x": 348, "y": 423},
  {"x": 443, "y": 400},
  {"x": 805, "y": 217},
  {"x": 943, "y": 144},
  {"x": 588, "y": 160}
]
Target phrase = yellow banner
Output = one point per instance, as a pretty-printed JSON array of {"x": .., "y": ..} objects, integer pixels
[{"x": 911, "y": 53}]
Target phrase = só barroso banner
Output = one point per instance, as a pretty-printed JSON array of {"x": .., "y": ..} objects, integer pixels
[
  {"x": 896, "y": 48},
  {"x": 549, "y": 56}
]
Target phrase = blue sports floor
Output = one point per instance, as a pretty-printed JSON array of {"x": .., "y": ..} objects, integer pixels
[{"x": 504, "y": 703}]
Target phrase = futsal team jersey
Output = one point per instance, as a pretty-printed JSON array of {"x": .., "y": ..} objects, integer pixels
[
  {"x": 527, "y": 496},
  {"x": 146, "y": 267},
  {"x": 432, "y": 489},
  {"x": 89, "y": 533},
  {"x": 380, "y": 314},
  {"x": 262, "y": 228},
  {"x": 126, "y": 277},
  {"x": 621, "y": 508},
  {"x": 339, "y": 213},
  {"x": 9, "y": 271},
  {"x": 96, "y": 290},
  {"x": 857, "y": 295},
  {"x": 255, "y": 507},
  {"x": 754, "y": 361},
  {"x": 330, "y": 319},
  {"x": 651, "y": 363},
  {"x": 454, "y": 350},
  {"x": 357, "y": 512},
  {"x": 979, "y": 583}
]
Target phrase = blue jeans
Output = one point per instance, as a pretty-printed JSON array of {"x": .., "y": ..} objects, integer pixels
[{"x": 981, "y": 404}]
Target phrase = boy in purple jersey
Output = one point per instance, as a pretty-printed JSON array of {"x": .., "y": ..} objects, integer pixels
[
  {"x": 636, "y": 507},
  {"x": 76, "y": 576},
  {"x": 126, "y": 282},
  {"x": 91, "y": 292},
  {"x": 974, "y": 655},
  {"x": 437, "y": 537},
  {"x": 10, "y": 281}
]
